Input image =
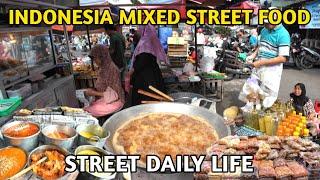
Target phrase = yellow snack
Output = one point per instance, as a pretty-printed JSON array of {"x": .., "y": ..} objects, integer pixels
[
  {"x": 86, "y": 134},
  {"x": 88, "y": 152}
]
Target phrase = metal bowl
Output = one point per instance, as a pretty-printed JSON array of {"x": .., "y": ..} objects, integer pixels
[
  {"x": 46, "y": 148},
  {"x": 90, "y": 176},
  {"x": 26, "y": 143},
  {"x": 185, "y": 97},
  {"x": 95, "y": 130},
  {"x": 67, "y": 143},
  {"x": 26, "y": 153}
]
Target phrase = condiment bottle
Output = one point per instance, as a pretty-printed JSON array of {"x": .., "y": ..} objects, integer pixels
[
  {"x": 275, "y": 121},
  {"x": 255, "y": 119},
  {"x": 268, "y": 124},
  {"x": 248, "y": 119},
  {"x": 262, "y": 125}
]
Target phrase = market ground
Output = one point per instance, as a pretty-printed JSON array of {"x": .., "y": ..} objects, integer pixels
[{"x": 311, "y": 78}]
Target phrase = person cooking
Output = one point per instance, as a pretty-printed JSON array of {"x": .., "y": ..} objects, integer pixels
[
  {"x": 272, "y": 52},
  {"x": 108, "y": 89},
  {"x": 301, "y": 103},
  {"x": 144, "y": 70}
]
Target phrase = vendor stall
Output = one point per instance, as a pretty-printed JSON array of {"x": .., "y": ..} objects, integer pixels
[{"x": 29, "y": 69}]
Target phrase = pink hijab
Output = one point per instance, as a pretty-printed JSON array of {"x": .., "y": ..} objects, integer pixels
[
  {"x": 108, "y": 74},
  {"x": 149, "y": 43}
]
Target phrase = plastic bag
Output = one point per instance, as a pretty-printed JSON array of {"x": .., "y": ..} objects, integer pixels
[
  {"x": 251, "y": 93},
  {"x": 189, "y": 69},
  {"x": 262, "y": 87},
  {"x": 207, "y": 61}
]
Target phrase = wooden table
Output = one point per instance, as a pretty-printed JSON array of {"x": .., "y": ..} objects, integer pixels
[
  {"x": 84, "y": 81},
  {"x": 212, "y": 88}
]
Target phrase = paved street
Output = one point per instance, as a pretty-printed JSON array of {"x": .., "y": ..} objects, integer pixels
[{"x": 311, "y": 78}]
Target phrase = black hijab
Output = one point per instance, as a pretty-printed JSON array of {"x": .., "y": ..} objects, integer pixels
[{"x": 300, "y": 101}]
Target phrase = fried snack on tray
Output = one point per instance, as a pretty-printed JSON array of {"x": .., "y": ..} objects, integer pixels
[
  {"x": 265, "y": 163},
  {"x": 273, "y": 140},
  {"x": 24, "y": 112},
  {"x": 236, "y": 174},
  {"x": 279, "y": 162},
  {"x": 243, "y": 145},
  {"x": 251, "y": 151},
  {"x": 215, "y": 149},
  {"x": 263, "y": 137},
  {"x": 273, "y": 155},
  {"x": 297, "y": 169},
  {"x": 275, "y": 146},
  {"x": 52, "y": 168},
  {"x": 283, "y": 171},
  {"x": 260, "y": 156},
  {"x": 256, "y": 163},
  {"x": 267, "y": 172}
]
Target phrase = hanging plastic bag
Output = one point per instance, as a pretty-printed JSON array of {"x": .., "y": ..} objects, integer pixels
[
  {"x": 189, "y": 69},
  {"x": 251, "y": 92},
  {"x": 262, "y": 86}
]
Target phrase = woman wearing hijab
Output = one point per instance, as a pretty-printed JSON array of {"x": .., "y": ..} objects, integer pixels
[
  {"x": 301, "y": 102},
  {"x": 144, "y": 70},
  {"x": 108, "y": 90}
]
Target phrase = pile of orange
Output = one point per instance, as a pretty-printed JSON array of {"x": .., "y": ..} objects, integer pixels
[{"x": 293, "y": 125}]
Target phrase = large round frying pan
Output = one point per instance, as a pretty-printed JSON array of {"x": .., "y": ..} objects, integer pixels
[{"x": 115, "y": 121}]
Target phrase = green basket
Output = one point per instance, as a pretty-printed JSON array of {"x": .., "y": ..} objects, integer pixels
[
  {"x": 7, "y": 106},
  {"x": 212, "y": 76}
]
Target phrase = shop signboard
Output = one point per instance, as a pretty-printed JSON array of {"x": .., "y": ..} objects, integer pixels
[{"x": 314, "y": 8}]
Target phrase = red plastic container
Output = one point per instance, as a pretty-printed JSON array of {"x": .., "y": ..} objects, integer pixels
[{"x": 317, "y": 106}]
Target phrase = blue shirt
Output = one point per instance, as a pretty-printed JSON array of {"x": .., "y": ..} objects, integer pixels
[
  {"x": 253, "y": 40},
  {"x": 274, "y": 43}
]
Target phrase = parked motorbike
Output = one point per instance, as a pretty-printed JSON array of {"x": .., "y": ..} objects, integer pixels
[
  {"x": 309, "y": 58},
  {"x": 229, "y": 63},
  {"x": 301, "y": 56},
  {"x": 295, "y": 52}
]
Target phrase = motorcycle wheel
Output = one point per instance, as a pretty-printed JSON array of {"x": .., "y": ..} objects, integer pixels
[
  {"x": 305, "y": 62},
  {"x": 297, "y": 62}
]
